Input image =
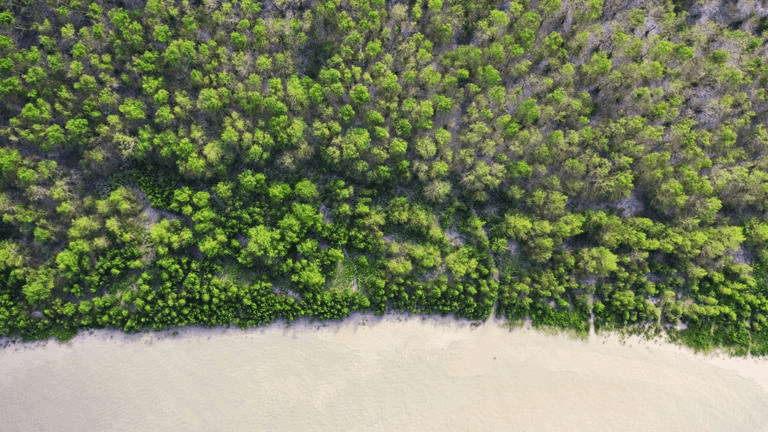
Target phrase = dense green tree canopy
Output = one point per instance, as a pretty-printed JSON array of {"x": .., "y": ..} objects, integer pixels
[{"x": 176, "y": 162}]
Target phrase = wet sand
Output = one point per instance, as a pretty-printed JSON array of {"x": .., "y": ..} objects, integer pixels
[{"x": 374, "y": 374}]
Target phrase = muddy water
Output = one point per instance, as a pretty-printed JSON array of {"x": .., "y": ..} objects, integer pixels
[{"x": 373, "y": 374}]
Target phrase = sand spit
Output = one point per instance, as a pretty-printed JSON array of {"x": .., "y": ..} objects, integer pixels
[{"x": 374, "y": 374}]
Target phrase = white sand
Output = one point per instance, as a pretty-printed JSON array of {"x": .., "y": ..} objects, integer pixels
[{"x": 392, "y": 373}]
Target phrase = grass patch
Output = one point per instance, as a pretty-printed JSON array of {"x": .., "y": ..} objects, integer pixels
[{"x": 343, "y": 278}]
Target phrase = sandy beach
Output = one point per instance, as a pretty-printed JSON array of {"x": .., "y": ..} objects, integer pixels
[{"x": 375, "y": 374}]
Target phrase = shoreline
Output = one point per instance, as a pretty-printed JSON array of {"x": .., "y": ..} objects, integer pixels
[{"x": 748, "y": 367}]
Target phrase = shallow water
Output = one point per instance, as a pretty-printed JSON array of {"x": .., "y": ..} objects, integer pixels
[{"x": 371, "y": 374}]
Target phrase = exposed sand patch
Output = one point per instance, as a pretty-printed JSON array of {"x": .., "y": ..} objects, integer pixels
[
  {"x": 630, "y": 206},
  {"x": 454, "y": 236},
  {"x": 150, "y": 214}
]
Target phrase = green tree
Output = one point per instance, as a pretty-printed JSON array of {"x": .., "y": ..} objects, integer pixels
[
  {"x": 359, "y": 95},
  {"x": 133, "y": 109}
]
